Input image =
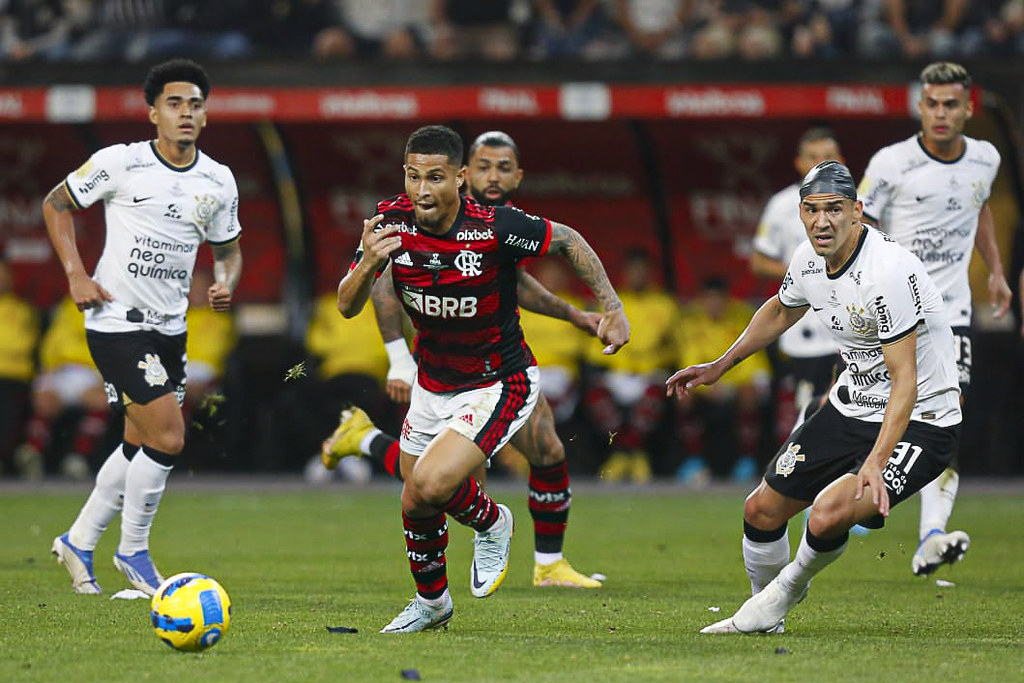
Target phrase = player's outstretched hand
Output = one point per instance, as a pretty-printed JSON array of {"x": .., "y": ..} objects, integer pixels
[
  {"x": 86, "y": 292},
  {"x": 613, "y": 330},
  {"x": 378, "y": 243},
  {"x": 999, "y": 295},
  {"x": 870, "y": 476},
  {"x": 588, "y": 321},
  {"x": 219, "y": 297},
  {"x": 693, "y": 376},
  {"x": 398, "y": 390}
]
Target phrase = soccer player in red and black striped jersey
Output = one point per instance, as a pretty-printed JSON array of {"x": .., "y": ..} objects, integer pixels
[
  {"x": 452, "y": 263},
  {"x": 493, "y": 176}
]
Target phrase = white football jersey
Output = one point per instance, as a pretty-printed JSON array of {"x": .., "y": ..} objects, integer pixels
[
  {"x": 931, "y": 207},
  {"x": 779, "y": 233},
  {"x": 881, "y": 295},
  {"x": 157, "y": 215}
]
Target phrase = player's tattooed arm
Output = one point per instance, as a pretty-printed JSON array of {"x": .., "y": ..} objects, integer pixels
[
  {"x": 60, "y": 199},
  {"x": 227, "y": 270},
  {"x": 535, "y": 297},
  {"x": 584, "y": 261},
  {"x": 60, "y": 226},
  {"x": 613, "y": 330}
]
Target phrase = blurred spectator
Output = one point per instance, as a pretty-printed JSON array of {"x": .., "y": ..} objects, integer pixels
[
  {"x": 918, "y": 29},
  {"x": 349, "y": 366},
  {"x": 626, "y": 399},
  {"x": 34, "y": 29},
  {"x": 708, "y": 327},
  {"x": 1004, "y": 27},
  {"x": 393, "y": 29},
  {"x": 471, "y": 28},
  {"x": 211, "y": 338},
  {"x": 825, "y": 29},
  {"x": 118, "y": 30},
  {"x": 68, "y": 383},
  {"x": 655, "y": 28},
  {"x": 299, "y": 27},
  {"x": 566, "y": 27},
  {"x": 203, "y": 29},
  {"x": 18, "y": 337},
  {"x": 748, "y": 29}
]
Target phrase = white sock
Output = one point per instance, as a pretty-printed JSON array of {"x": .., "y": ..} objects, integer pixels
[
  {"x": 764, "y": 561},
  {"x": 364, "y": 443},
  {"x": 103, "y": 504},
  {"x": 434, "y": 602},
  {"x": 797, "y": 575},
  {"x": 144, "y": 485},
  {"x": 546, "y": 558},
  {"x": 937, "y": 499}
]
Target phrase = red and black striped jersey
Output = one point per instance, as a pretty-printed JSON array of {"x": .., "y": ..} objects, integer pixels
[{"x": 459, "y": 290}]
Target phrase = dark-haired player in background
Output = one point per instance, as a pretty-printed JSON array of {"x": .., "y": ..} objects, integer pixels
[
  {"x": 162, "y": 200},
  {"x": 493, "y": 174},
  {"x": 453, "y": 264},
  {"x": 930, "y": 193}
]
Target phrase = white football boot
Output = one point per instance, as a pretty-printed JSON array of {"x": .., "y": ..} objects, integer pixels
[
  {"x": 78, "y": 562},
  {"x": 762, "y": 613},
  {"x": 939, "y": 548},
  {"x": 419, "y": 616},
  {"x": 491, "y": 549}
]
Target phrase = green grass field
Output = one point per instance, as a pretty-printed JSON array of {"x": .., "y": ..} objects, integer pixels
[{"x": 297, "y": 561}]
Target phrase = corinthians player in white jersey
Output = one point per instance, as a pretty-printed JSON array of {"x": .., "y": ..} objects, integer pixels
[
  {"x": 891, "y": 422},
  {"x": 162, "y": 199},
  {"x": 930, "y": 193}
]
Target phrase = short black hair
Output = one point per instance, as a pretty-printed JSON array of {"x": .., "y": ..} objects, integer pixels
[
  {"x": 815, "y": 134},
  {"x": 436, "y": 140},
  {"x": 636, "y": 253},
  {"x": 945, "y": 73},
  {"x": 183, "y": 70},
  {"x": 715, "y": 283},
  {"x": 494, "y": 138}
]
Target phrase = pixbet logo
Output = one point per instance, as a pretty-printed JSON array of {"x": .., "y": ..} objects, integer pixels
[{"x": 474, "y": 235}]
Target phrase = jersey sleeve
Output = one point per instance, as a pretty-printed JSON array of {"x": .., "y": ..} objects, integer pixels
[
  {"x": 894, "y": 298},
  {"x": 98, "y": 177},
  {"x": 791, "y": 292},
  {"x": 225, "y": 226},
  {"x": 767, "y": 241},
  {"x": 521, "y": 234},
  {"x": 877, "y": 185}
]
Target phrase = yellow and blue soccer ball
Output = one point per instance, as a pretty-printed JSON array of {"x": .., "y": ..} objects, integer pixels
[{"x": 190, "y": 612}]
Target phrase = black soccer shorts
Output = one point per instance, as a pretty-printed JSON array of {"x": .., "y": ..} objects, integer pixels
[
  {"x": 138, "y": 367},
  {"x": 830, "y": 445}
]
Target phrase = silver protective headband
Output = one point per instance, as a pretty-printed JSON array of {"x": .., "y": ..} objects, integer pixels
[{"x": 829, "y": 177}]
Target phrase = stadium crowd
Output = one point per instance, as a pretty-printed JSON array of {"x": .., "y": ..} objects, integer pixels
[{"x": 501, "y": 30}]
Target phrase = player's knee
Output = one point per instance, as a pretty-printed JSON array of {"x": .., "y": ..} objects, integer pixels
[
  {"x": 170, "y": 440},
  {"x": 427, "y": 488},
  {"x": 760, "y": 515},
  {"x": 829, "y": 517}
]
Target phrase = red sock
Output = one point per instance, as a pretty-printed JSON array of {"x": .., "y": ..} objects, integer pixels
[
  {"x": 549, "y": 503},
  {"x": 472, "y": 506},
  {"x": 91, "y": 428},
  {"x": 38, "y": 431},
  {"x": 426, "y": 539}
]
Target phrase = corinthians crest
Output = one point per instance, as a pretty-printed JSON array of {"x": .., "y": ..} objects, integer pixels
[
  {"x": 858, "y": 323},
  {"x": 156, "y": 375},
  {"x": 786, "y": 463},
  {"x": 206, "y": 205}
]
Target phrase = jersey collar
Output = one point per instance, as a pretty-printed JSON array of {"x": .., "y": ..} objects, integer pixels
[
  {"x": 920, "y": 143},
  {"x": 853, "y": 257},
  {"x": 168, "y": 164}
]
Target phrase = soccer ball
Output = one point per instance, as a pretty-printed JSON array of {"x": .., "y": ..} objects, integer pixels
[{"x": 190, "y": 612}]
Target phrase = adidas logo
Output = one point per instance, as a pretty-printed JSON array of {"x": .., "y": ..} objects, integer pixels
[
  {"x": 404, "y": 259},
  {"x": 468, "y": 418}
]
